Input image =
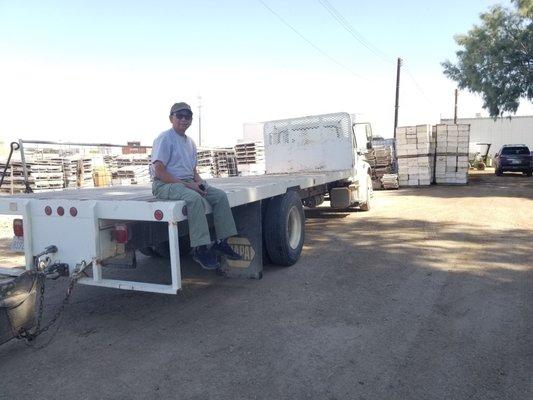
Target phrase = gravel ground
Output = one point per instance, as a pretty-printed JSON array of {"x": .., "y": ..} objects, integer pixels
[{"x": 427, "y": 296}]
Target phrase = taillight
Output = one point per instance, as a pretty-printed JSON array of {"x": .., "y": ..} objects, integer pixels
[
  {"x": 158, "y": 214},
  {"x": 73, "y": 211},
  {"x": 18, "y": 228},
  {"x": 121, "y": 233},
  {"x": 60, "y": 211},
  {"x": 48, "y": 210}
]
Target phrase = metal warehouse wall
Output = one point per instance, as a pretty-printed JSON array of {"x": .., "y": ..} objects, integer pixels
[{"x": 517, "y": 130}]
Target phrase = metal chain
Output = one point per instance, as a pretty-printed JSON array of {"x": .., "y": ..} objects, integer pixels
[{"x": 30, "y": 336}]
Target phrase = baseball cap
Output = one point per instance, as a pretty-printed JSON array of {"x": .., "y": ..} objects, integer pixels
[{"x": 180, "y": 106}]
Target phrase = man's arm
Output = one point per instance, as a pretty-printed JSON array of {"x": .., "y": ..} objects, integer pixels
[
  {"x": 197, "y": 177},
  {"x": 164, "y": 176}
]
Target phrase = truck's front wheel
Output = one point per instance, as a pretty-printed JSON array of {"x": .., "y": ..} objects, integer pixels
[
  {"x": 284, "y": 229},
  {"x": 365, "y": 206}
]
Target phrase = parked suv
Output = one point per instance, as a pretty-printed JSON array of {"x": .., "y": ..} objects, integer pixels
[{"x": 513, "y": 157}]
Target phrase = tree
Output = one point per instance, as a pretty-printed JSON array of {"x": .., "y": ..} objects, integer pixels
[{"x": 497, "y": 58}]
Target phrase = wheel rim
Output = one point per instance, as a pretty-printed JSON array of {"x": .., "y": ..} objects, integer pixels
[{"x": 294, "y": 228}]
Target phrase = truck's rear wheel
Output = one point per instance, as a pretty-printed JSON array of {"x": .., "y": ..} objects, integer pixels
[
  {"x": 284, "y": 229},
  {"x": 148, "y": 251},
  {"x": 163, "y": 249}
]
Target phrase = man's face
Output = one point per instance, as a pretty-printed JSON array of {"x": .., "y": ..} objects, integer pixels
[{"x": 181, "y": 120}]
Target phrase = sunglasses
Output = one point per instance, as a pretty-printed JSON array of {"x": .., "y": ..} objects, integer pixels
[{"x": 183, "y": 115}]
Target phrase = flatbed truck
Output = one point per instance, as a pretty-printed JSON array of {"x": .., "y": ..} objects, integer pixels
[{"x": 306, "y": 159}]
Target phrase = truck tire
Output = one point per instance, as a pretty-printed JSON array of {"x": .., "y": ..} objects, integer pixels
[
  {"x": 284, "y": 229},
  {"x": 148, "y": 251},
  {"x": 163, "y": 249},
  {"x": 369, "y": 190}
]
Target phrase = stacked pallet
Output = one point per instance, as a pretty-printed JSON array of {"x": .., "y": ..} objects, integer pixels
[
  {"x": 110, "y": 162},
  {"x": 250, "y": 153},
  {"x": 222, "y": 162},
  {"x": 132, "y": 159},
  {"x": 251, "y": 157},
  {"x": 451, "y": 162},
  {"x": 415, "y": 148},
  {"x": 131, "y": 175},
  {"x": 101, "y": 176},
  {"x": 42, "y": 175},
  {"x": 14, "y": 178},
  {"x": 78, "y": 172},
  {"x": 383, "y": 163},
  {"x": 390, "y": 181},
  {"x": 47, "y": 174}
]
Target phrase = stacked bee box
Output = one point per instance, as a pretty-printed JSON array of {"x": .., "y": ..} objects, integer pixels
[
  {"x": 221, "y": 162},
  {"x": 451, "y": 165},
  {"x": 415, "y": 148},
  {"x": 251, "y": 157}
]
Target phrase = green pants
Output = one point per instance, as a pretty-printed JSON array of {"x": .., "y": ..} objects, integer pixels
[{"x": 198, "y": 228}]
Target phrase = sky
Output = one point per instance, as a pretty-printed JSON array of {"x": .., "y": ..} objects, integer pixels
[{"x": 108, "y": 71}]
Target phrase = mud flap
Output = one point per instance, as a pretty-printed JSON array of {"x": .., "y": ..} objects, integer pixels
[{"x": 248, "y": 243}]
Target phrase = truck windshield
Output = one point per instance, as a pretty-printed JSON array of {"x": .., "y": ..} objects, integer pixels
[{"x": 515, "y": 150}]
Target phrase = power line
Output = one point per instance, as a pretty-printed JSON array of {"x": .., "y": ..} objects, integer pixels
[
  {"x": 311, "y": 43},
  {"x": 352, "y": 31},
  {"x": 418, "y": 85}
]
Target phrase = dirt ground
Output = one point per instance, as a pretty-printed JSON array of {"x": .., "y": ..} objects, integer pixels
[{"x": 427, "y": 296}]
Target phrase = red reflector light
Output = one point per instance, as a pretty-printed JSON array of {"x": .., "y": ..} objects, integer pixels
[
  {"x": 48, "y": 210},
  {"x": 158, "y": 214},
  {"x": 73, "y": 211},
  {"x": 18, "y": 228},
  {"x": 60, "y": 211},
  {"x": 121, "y": 234}
]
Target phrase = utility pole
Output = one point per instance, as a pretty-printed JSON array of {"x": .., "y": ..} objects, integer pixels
[
  {"x": 397, "y": 105},
  {"x": 199, "y": 121},
  {"x": 455, "y": 109}
]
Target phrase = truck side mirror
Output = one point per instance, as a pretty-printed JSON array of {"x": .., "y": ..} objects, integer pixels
[{"x": 368, "y": 145}]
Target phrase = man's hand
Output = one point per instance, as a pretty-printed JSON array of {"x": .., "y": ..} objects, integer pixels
[{"x": 196, "y": 187}]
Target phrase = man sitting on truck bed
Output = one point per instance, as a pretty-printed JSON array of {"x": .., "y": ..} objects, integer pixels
[{"x": 173, "y": 169}]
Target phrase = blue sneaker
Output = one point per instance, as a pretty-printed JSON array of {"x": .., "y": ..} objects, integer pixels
[
  {"x": 224, "y": 248},
  {"x": 205, "y": 257}
]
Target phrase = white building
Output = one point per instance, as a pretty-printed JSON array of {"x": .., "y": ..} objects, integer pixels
[{"x": 514, "y": 130}]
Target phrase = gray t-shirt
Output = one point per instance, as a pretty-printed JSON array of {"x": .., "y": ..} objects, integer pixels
[{"x": 176, "y": 152}]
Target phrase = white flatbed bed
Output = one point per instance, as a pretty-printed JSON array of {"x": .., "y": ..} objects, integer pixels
[
  {"x": 240, "y": 190},
  {"x": 82, "y": 237}
]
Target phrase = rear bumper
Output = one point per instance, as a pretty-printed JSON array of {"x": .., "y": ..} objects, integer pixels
[{"x": 518, "y": 168}]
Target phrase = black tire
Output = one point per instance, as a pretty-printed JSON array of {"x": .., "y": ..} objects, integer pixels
[
  {"x": 148, "y": 251},
  {"x": 499, "y": 172},
  {"x": 529, "y": 173},
  {"x": 369, "y": 192},
  {"x": 163, "y": 249},
  {"x": 284, "y": 229}
]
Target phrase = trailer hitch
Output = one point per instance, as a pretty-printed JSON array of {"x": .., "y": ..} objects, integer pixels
[{"x": 54, "y": 271}]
